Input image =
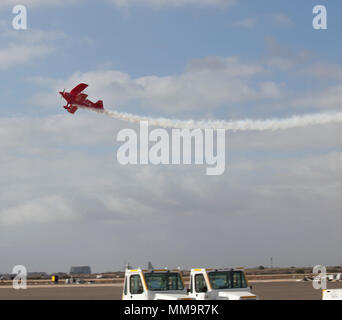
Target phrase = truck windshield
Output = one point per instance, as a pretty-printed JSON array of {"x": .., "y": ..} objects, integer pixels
[
  {"x": 163, "y": 281},
  {"x": 227, "y": 280}
]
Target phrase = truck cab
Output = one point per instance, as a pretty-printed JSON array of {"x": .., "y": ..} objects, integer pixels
[
  {"x": 156, "y": 284},
  {"x": 219, "y": 284},
  {"x": 332, "y": 294}
]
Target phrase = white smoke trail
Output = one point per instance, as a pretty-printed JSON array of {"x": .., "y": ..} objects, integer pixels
[{"x": 296, "y": 121}]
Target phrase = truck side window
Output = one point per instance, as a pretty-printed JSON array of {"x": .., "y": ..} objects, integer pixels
[
  {"x": 136, "y": 286},
  {"x": 199, "y": 283}
]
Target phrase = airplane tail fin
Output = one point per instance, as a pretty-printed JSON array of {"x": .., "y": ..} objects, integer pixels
[{"x": 99, "y": 104}]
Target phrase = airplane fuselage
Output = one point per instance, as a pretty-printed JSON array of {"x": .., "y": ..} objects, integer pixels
[{"x": 77, "y": 99}]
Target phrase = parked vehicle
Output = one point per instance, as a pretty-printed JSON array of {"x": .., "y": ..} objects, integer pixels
[
  {"x": 332, "y": 294},
  {"x": 220, "y": 284},
  {"x": 156, "y": 284}
]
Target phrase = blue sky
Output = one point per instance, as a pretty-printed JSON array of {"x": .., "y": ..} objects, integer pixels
[{"x": 226, "y": 59}]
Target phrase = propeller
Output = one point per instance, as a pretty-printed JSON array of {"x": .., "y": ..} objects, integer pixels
[{"x": 62, "y": 93}]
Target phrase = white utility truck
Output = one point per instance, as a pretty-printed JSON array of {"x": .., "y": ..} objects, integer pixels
[
  {"x": 162, "y": 284},
  {"x": 332, "y": 294},
  {"x": 219, "y": 284}
]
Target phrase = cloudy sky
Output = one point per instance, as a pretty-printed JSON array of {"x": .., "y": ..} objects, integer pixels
[{"x": 66, "y": 201}]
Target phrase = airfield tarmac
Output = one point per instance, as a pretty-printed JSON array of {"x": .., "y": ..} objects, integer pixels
[{"x": 265, "y": 290}]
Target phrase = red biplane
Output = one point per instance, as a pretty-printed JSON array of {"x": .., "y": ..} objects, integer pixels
[{"x": 76, "y": 99}]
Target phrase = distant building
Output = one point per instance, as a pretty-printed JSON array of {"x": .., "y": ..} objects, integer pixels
[{"x": 80, "y": 270}]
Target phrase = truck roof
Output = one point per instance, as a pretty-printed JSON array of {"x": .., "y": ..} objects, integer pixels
[
  {"x": 217, "y": 269},
  {"x": 151, "y": 270}
]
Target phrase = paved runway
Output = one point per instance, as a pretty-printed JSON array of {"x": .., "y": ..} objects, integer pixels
[{"x": 266, "y": 291}]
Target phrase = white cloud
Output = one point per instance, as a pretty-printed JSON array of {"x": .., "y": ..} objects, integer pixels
[
  {"x": 23, "y": 47},
  {"x": 15, "y": 55},
  {"x": 327, "y": 98},
  {"x": 323, "y": 71},
  {"x": 174, "y": 3},
  {"x": 46, "y": 210},
  {"x": 205, "y": 85},
  {"x": 302, "y": 64},
  {"x": 313, "y": 138},
  {"x": 61, "y": 171}
]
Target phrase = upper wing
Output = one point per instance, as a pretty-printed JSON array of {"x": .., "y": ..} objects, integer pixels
[{"x": 77, "y": 90}]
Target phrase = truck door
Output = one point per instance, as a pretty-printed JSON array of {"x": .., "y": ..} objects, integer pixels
[
  {"x": 201, "y": 287},
  {"x": 192, "y": 292},
  {"x": 125, "y": 289},
  {"x": 136, "y": 289}
]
